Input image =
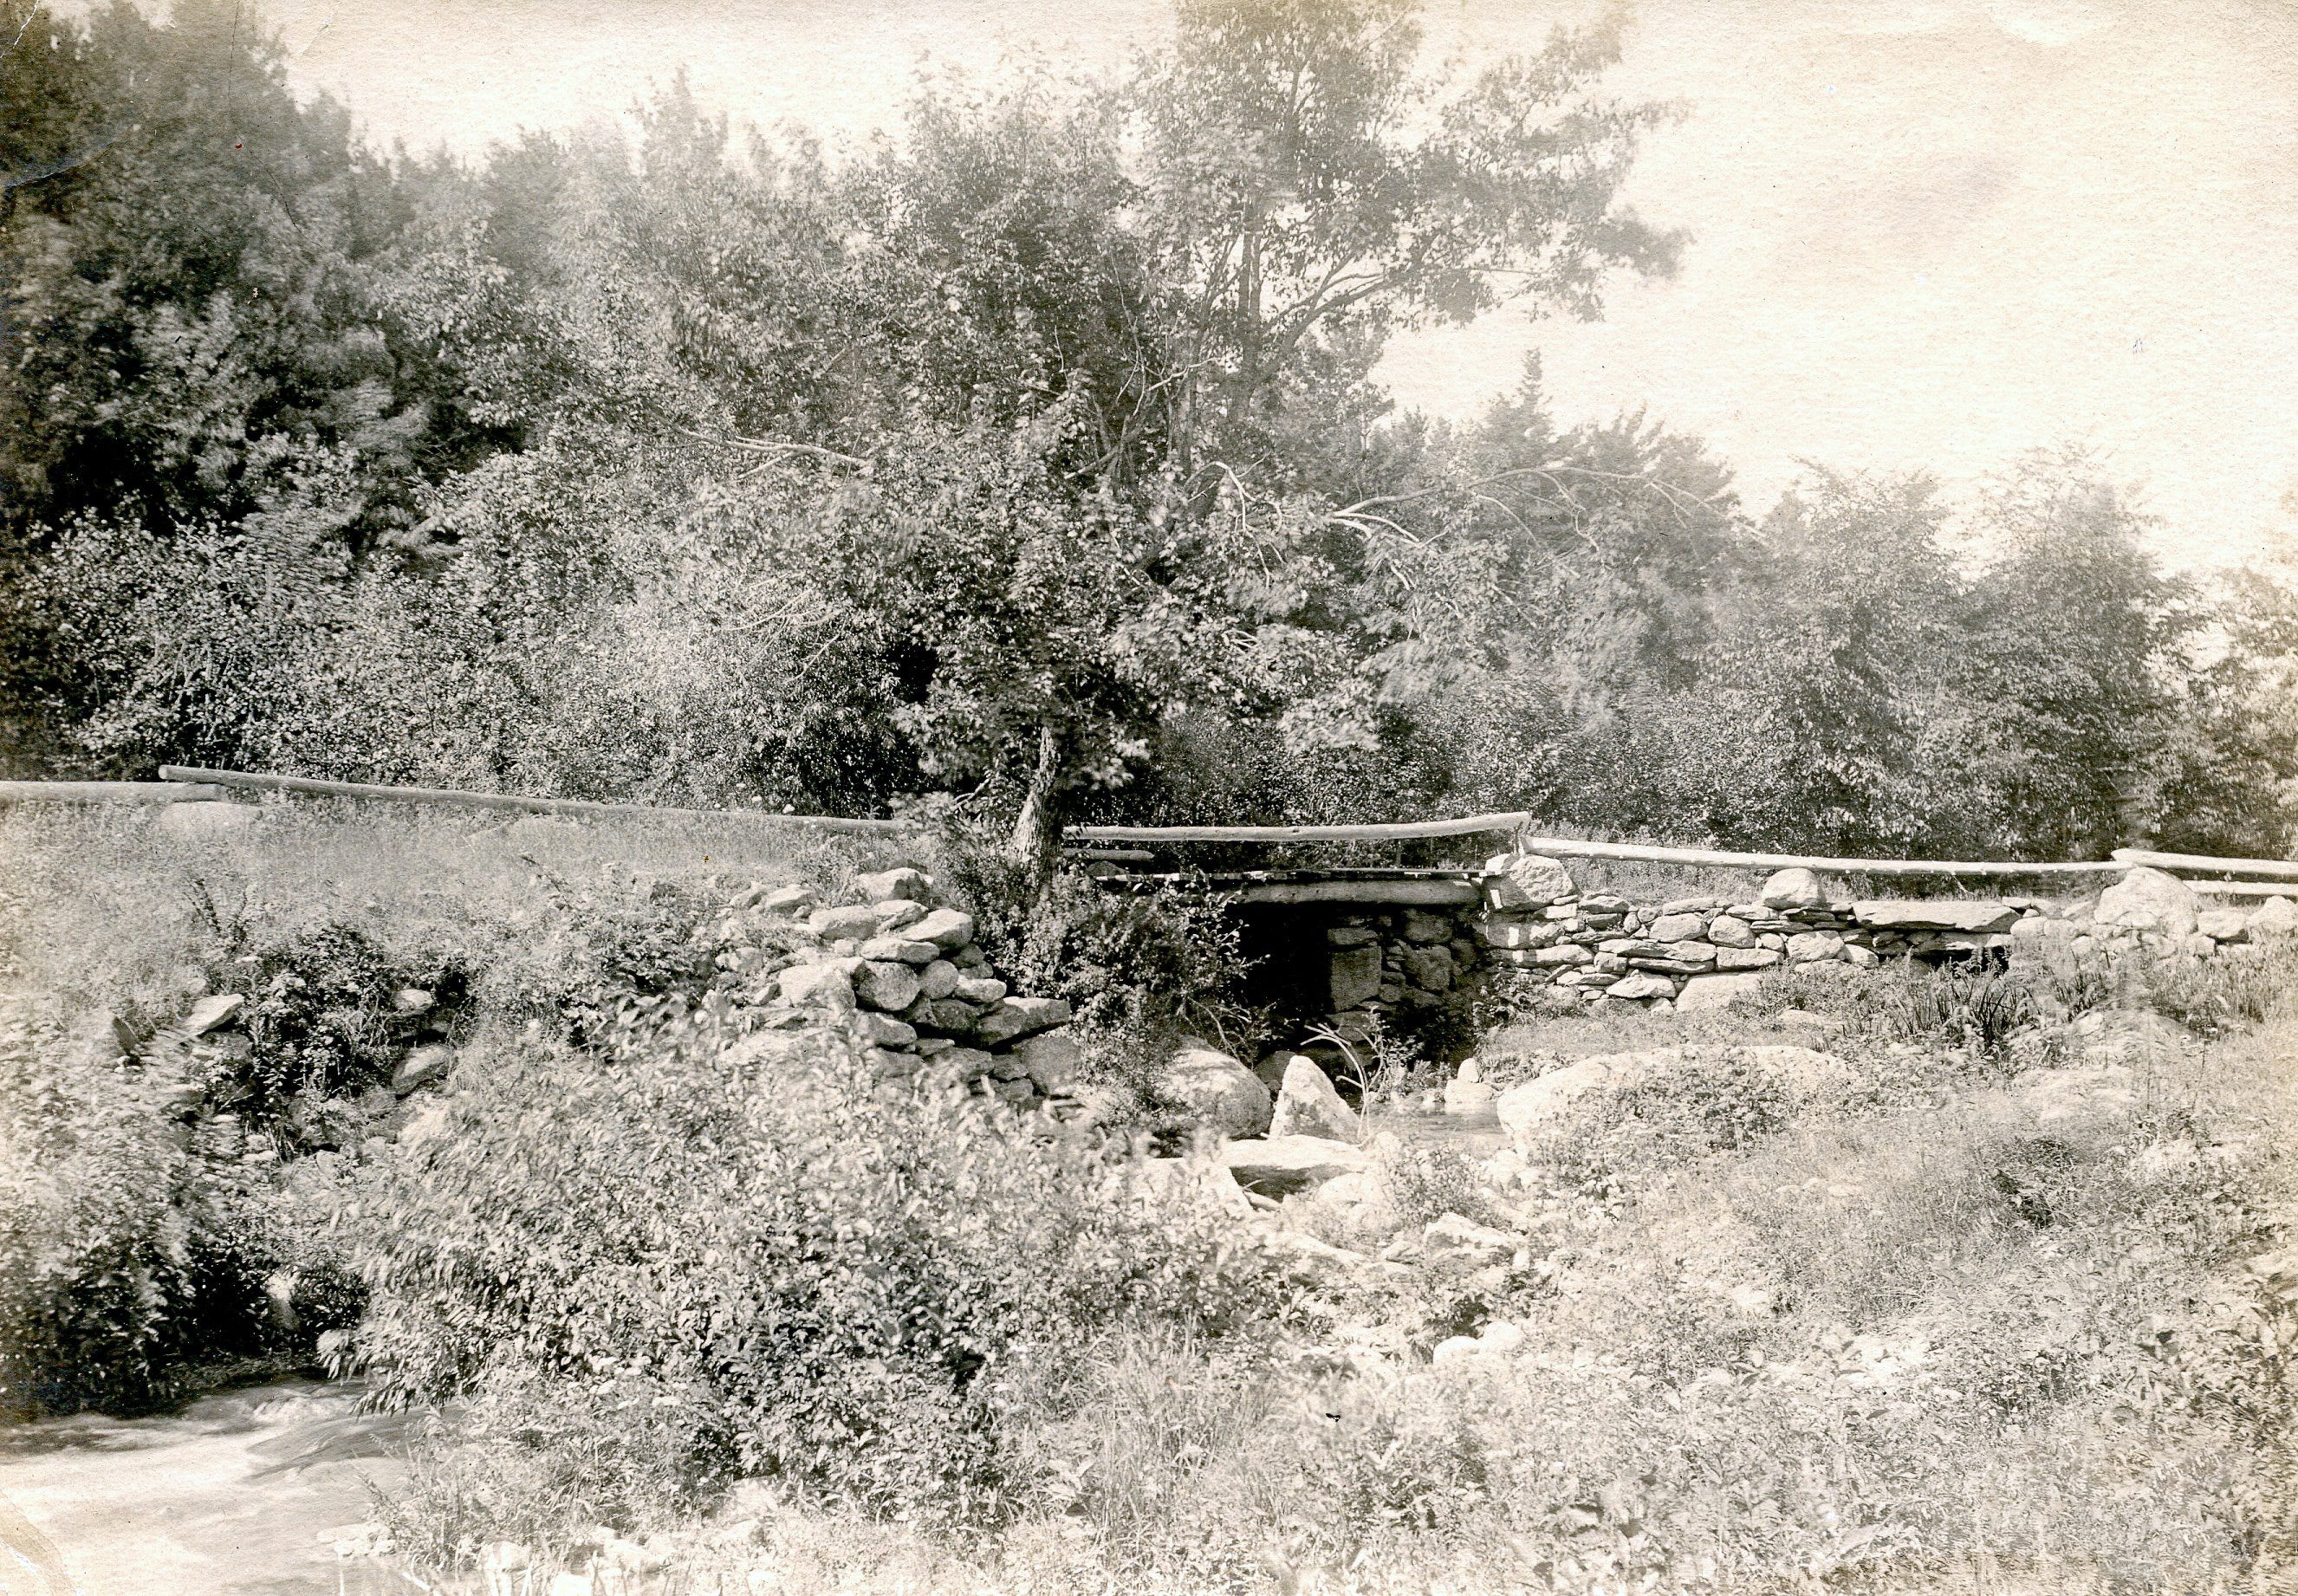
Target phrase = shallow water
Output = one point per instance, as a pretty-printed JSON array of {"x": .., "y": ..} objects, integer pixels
[{"x": 232, "y": 1495}]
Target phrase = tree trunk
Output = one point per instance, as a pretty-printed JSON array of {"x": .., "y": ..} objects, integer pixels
[{"x": 1036, "y": 840}]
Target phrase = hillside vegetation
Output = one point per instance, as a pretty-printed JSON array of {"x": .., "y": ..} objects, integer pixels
[
  {"x": 682, "y": 1300},
  {"x": 1029, "y": 459}
]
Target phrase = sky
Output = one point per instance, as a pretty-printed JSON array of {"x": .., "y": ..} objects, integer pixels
[{"x": 1925, "y": 234}]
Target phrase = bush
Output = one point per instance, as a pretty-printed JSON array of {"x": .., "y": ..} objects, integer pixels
[
  {"x": 133, "y": 1239},
  {"x": 1706, "y": 1104},
  {"x": 849, "y": 1291},
  {"x": 1139, "y": 969}
]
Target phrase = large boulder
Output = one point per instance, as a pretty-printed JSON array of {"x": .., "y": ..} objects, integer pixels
[
  {"x": 1527, "y": 1111},
  {"x": 1525, "y": 882},
  {"x": 1934, "y": 914},
  {"x": 1281, "y": 1164},
  {"x": 2148, "y": 900},
  {"x": 1792, "y": 888},
  {"x": 1308, "y": 1106},
  {"x": 1217, "y": 1090}
]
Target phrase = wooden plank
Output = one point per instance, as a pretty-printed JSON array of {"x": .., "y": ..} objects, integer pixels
[
  {"x": 1426, "y": 894},
  {"x": 516, "y": 803},
  {"x": 1399, "y": 832},
  {"x": 2280, "y": 870},
  {"x": 1573, "y": 848},
  {"x": 109, "y": 792}
]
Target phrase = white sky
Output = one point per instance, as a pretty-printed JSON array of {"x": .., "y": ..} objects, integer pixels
[{"x": 1931, "y": 233}]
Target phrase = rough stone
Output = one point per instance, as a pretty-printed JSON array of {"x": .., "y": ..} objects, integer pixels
[
  {"x": 1525, "y": 881},
  {"x": 886, "y": 984},
  {"x": 895, "y": 912},
  {"x": 2148, "y": 900},
  {"x": 2223, "y": 925},
  {"x": 1934, "y": 914},
  {"x": 2276, "y": 917},
  {"x": 1306, "y": 1104},
  {"x": 1707, "y": 993},
  {"x": 211, "y": 1011},
  {"x": 946, "y": 929},
  {"x": 1807, "y": 947},
  {"x": 938, "y": 979},
  {"x": 1569, "y": 953},
  {"x": 1051, "y": 1059},
  {"x": 1430, "y": 968},
  {"x": 1498, "y": 932},
  {"x": 827, "y": 985},
  {"x": 881, "y": 1030},
  {"x": 1217, "y": 1090},
  {"x": 1456, "y": 1240},
  {"x": 1642, "y": 983},
  {"x": 903, "y": 883},
  {"x": 420, "y": 1068},
  {"x": 1726, "y": 932},
  {"x": 842, "y": 921},
  {"x": 1693, "y": 953},
  {"x": 1422, "y": 926},
  {"x": 1018, "y": 1017},
  {"x": 788, "y": 900},
  {"x": 1354, "y": 975},
  {"x": 1279, "y": 1165},
  {"x": 984, "y": 989},
  {"x": 1350, "y": 935},
  {"x": 1677, "y": 928},
  {"x": 971, "y": 1063},
  {"x": 953, "y": 1014},
  {"x": 1792, "y": 888},
  {"x": 901, "y": 950}
]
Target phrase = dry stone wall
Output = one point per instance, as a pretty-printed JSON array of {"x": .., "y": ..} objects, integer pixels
[{"x": 1699, "y": 951}]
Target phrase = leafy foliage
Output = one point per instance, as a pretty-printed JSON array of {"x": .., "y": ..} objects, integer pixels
[{"x": 840, "y": 1290}]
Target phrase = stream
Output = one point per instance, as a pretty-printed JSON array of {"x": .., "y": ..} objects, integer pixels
[{"x": 239, "y": 1494}]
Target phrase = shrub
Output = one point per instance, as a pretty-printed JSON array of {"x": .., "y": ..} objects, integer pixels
[
  {"x": 1140, "y": 967},
  {"x": 845, "y": 1290},
  {"x": 133, "y": 1239},
  {"x": 1706, "y": 1104}
]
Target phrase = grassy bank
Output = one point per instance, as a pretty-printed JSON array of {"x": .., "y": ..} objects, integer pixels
[{"x": 1892, "y": 1283}]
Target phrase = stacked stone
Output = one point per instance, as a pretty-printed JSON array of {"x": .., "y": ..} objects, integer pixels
[
  {"x": 1703, "y": 949},
  {"x": 2150, "y": 912},
  {"x": 1601, "y": 947},
  {"x": 1379, "y": 964},
  {"x": 910, "y": 988}
]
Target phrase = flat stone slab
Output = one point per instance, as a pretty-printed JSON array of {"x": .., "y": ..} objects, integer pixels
[
  {"x": 1975, "y": 914},
  {"x": 1278, "y": 1164}
]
